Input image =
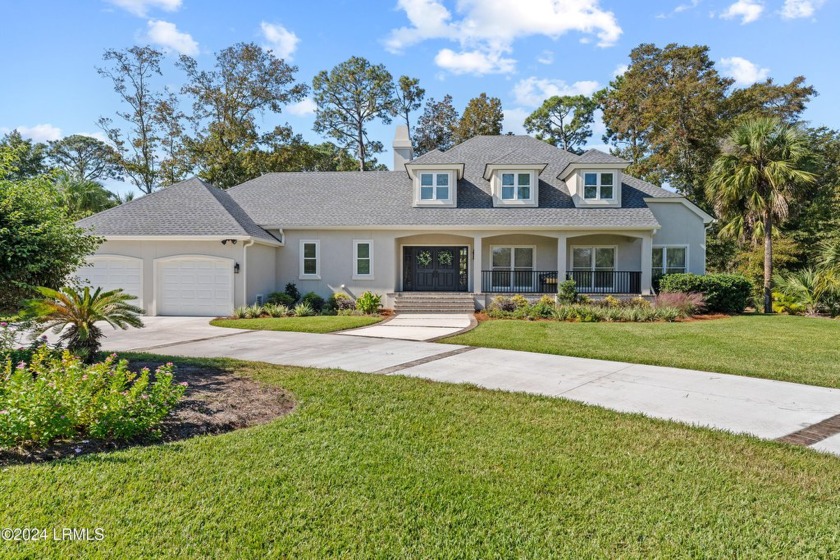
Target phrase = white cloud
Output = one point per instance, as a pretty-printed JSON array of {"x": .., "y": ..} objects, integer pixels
[
  {"x": 531, "y": 92},
  {"x": 795, "y": 9},
  {"x": 474, "y": 62},
  {"x": 302, "y": 108},
  {"x": 166, "y": 34},
  {"x": 747, "y": 10},
  {"x": 486, "y": 29},
  {"x": 141, "y": 7},
  {"x": 743, "y": 71},
  {"x": 680, "y": 9},
  {"x": 279, "y": 40},
  {"x": 37, "y": 133},
  {"x": 620, "y": 70},
  {"x": 514, "y": 119},
  {"x": 546, "y": 57},
  {"x": 98, "y": 135}
]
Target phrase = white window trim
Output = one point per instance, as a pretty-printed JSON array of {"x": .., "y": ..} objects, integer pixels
[
  {"x": 356, "y": 243},
  {"x": 317, "y": 275},
  {"x": 598, "y": 173},
  {"x": 513, "y": 261},
  {"x": 497, "y": 188},
  {"x": 592, "y": 261},
  {"x": 453, "y": 187},
  {"x": 665, "y": 255}
]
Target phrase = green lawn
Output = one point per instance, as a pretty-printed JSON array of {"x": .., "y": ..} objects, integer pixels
[
  {"x": 798, "y": 349},
  {"x": 316, "y": 324},
  {"x": 395, "y": 467}
]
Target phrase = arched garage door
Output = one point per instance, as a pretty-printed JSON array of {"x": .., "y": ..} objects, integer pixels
[
  {"x": 111, "y": 272},
  {"x": 196, "y": 286}
]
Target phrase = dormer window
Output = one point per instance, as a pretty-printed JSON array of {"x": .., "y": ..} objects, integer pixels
[
  {"x": 516, "y": 186},
  {"x": 598, "y": 185},
  {"x": 434, "y": 186}
]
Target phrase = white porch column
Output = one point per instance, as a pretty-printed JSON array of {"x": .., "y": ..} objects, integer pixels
[
  {"x": 561, "y": 258},
  {"x": 647, "y": 264},
  {"x": 478, "y": 253}
]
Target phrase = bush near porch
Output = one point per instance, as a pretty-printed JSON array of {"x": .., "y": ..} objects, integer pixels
[
  {"x": 668, "y": 307},
  {"x": 724, "y": 293}
]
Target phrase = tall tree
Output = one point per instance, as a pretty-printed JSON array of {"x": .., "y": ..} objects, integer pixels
[
  {"x": 176, "y": 163},
  {"x": 666, "y": 111},
  {"x": 29, "y": 156},
  {"x": 85, "y": 158},
  {"x": 409, "y": 98},
  {"x": 132, "y": 71},
  {"x": 246, "y": 82},
  {"x": 760, "y": 172},
  {"x": 563, "y": 121},
  {"x": 436, "y": 126},
  {"x": 483, "y": 116},
  {"x": 350, "y": 96},
  {"x": 785, "y": 101}
]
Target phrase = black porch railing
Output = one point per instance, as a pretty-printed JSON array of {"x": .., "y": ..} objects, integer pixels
[
  {"x": 606, "y": 281},
  {"x": 545, "y": 281},
  {"x": 519, "y": 281}
]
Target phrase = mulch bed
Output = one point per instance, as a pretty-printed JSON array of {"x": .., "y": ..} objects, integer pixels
[{"x": 215, "y": 402}]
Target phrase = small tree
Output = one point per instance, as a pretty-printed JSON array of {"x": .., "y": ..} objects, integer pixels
[
  {"x": 74, "y": 314},
  {"x": 350, "y": 96},
  {"x": 563, "y": 121},
  {"x": 436, "y": 126},
  {"x": 759, "y": 174}
]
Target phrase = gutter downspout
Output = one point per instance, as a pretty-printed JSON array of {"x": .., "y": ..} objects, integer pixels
[{"x": 245, "y": 271}]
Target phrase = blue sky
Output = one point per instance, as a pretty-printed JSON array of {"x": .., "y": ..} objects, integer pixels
[{"x": 518, "y": 50}]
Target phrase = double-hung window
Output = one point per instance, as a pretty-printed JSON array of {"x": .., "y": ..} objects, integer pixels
[
  {"x": 434, "y": 186},
  {"x": 593, "y": 267},
  {"x": 362, "y": 260},
  {"x": 598, "y": 186},
  {"x": 669, "y": 260},
  {"x": 310, "y": 259},
  {"x": 516, "y": 186},
  {"x": 512, "y": 268}
]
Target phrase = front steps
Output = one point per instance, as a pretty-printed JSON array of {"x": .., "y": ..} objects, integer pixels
[{"x": 434, "y": 302}]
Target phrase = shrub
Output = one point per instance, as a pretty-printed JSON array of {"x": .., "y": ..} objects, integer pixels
[
  {"x": 349, "y": 312},
  {"x": 542, "y": 309},
  {"x": 315, "y": 301},
  {"x": 292, "y": 291},
  {"x": 254, "y": 311},
  {"x": 275, "y": 310},
  {"x": 369, "y": 303},
  {"x": 611, "y": 301},
  {"x": 58, "y": 396},
  {"x": 281, "y": 298},
  {"x": 687, "y": 304},
  {"x": 340, "y": 302},
  {"x": 502, "y": 304},
  {"x": 303, "y": 310},
  {"x": 724, "y": 293},
  {"x": 567, "y": 292}
]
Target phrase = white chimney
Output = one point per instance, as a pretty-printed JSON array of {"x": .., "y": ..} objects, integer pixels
[{"x": 403, "y": 152}]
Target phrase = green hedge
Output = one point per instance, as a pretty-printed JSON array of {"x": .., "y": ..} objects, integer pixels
[{"x": 725, "y": 293}]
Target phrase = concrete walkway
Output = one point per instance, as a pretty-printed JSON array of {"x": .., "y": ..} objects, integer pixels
[
  {"x": 764, "y": 408},
  {"x": 417, "y": 326}
]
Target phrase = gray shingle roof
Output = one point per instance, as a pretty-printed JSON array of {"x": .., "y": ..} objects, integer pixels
[
  {"x": 384, "y": 198},
  {"x": 191, "y": 207}
]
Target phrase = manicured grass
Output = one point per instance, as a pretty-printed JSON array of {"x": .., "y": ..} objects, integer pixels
[
  {"x": 395, "y": 467},
  {"x": 798, "y": 349},
  {"x": 316, "y": 324}
]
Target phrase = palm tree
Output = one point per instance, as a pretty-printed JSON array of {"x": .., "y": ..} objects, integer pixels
[
  {"x": 759, "y": 173},
  {"x": 80, "y": 311},
  {"x": 83, "y": 197}
]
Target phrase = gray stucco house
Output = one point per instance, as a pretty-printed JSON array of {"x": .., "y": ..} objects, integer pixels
[{"x": 495, "y": 214}]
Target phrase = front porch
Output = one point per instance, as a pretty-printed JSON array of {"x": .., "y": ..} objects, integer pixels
[{"x": 545, "y": 281}]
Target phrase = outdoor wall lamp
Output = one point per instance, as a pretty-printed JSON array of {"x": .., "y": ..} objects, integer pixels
[{"x": 236, "y": 268}]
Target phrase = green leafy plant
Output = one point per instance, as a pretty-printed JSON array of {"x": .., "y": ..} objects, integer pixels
[
  {"x": 369, "y": 303},
  {"x": 276, "y": 310},
  {"x": 315, "y": 301},
  {"x": 724, "y": 293},
  {"x": 254, "y": 311},
  {"x": 567, "y": 292},
  {"x": 281, "y": 298},
  {"x": 340, "y": 302},
  {"x": 292, "y": 291},
  {"x": 783, "y": 303},
  {"x": 74, "y": 314},
  {"x": 58, "y": 396},
  {"x": 303, "y": 310}
]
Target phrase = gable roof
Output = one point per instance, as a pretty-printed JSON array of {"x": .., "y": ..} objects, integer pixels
[
  {"x": 188, "y": 208},
  {"x": 385, "y": 198}
]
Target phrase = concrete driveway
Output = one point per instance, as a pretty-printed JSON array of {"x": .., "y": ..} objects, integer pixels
[
  {"x": 760, "y": 407},
  {"x": 417, "y": 326}
]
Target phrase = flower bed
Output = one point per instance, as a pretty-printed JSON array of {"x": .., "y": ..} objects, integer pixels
[{"x": 56, "y": 396}]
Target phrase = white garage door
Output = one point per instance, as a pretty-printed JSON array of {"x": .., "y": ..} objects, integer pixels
[
  {"x": 111, "y": 272},
  {"x": 195, "y": 286}
]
